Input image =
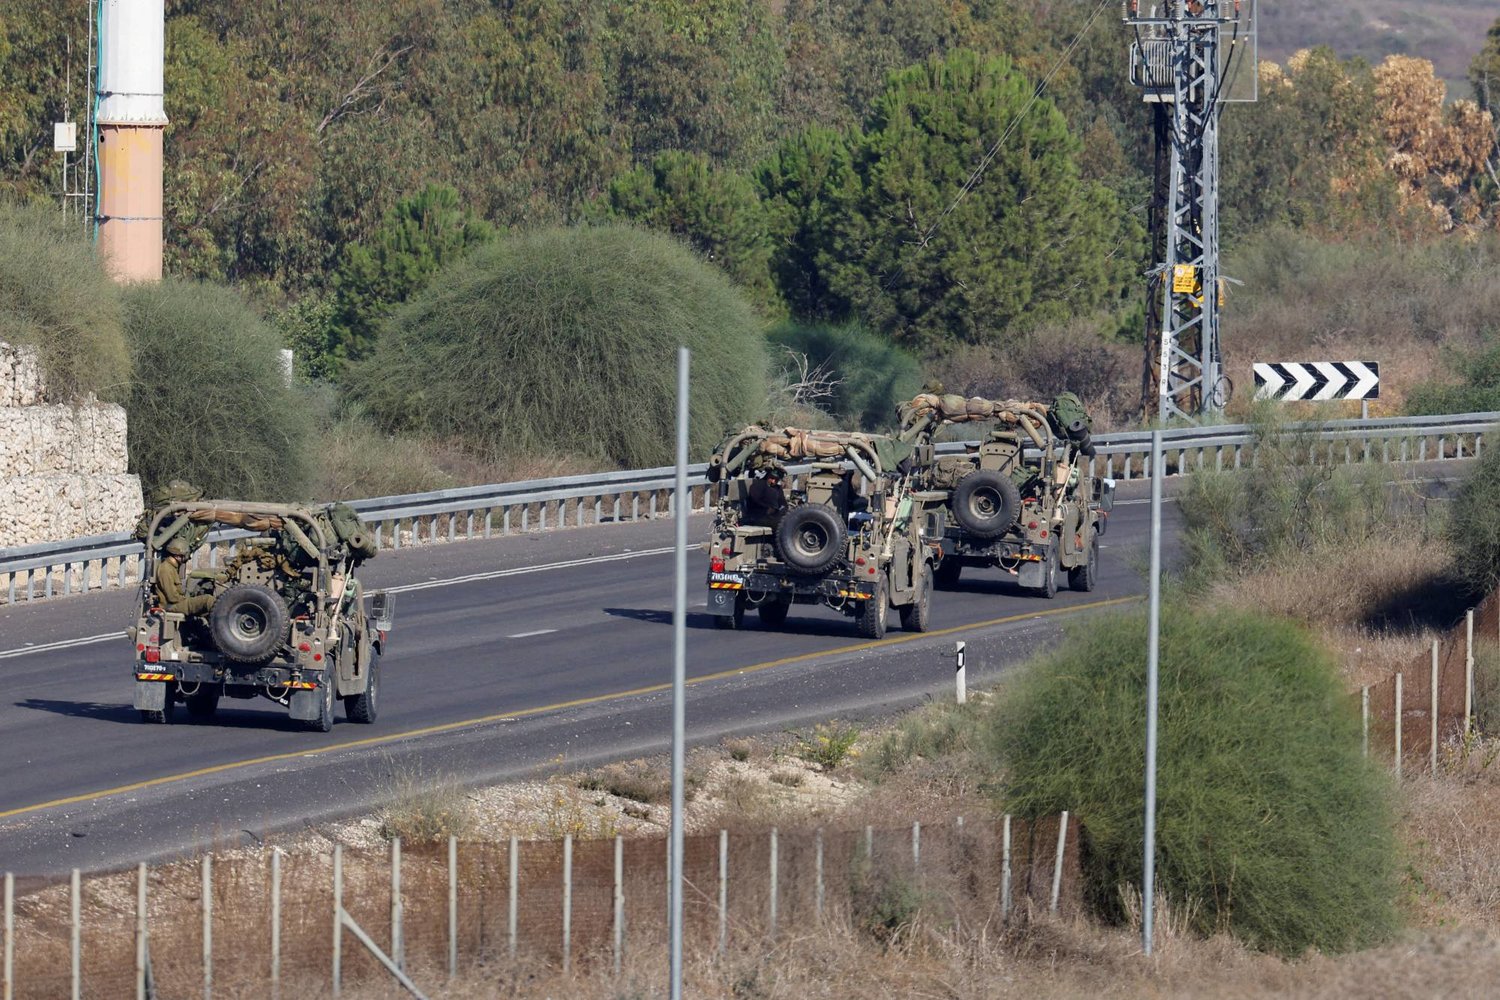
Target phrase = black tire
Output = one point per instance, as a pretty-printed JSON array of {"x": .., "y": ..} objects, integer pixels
[
  {"x": 916, "y": 616},
  {"x": 872, "y": 614},
  {"x": 811, "y": 537},
  {"x": 365, "y": 706},
  {"x": 204, "y": 702},
  {"x": 1086, "y": 576},
  {"x": 947, "y": 573},
  {"x": 324, "y": 722},
  {"x": 736, "y": 620},
  {"x": 1048, "y": 588},
  {"x": 986, "y": 503},
  {"x": 773, "y": 613},
  {"x": 249, "y": 623}
]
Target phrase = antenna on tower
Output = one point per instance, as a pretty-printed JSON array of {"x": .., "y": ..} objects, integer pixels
[{"x": 1190, "y": 58}]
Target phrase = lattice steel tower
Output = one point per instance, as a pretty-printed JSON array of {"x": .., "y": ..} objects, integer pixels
[{"x": 1183, "y": 52}]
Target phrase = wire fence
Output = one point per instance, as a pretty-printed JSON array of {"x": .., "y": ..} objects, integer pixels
[{"x": 254, "y": 925}]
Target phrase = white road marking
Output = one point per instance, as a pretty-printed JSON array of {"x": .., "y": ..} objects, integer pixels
[
  {"x": 528, "y": 635},
  {"x": 119, "y": 634}
]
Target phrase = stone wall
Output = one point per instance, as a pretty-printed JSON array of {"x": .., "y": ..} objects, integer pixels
[{"x": 62, "y": 467}]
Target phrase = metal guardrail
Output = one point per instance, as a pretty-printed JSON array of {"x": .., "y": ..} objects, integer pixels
[{"x": 112, "y": 561}]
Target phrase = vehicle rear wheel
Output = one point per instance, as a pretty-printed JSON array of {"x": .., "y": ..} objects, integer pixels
[
  {"x": 773, "y": 612},
  {"x": 324, "y": 722},
  {"x": 735, "y": 620},
  {"x": 1049, "y": 573},
  {"x": 363, "y": 707},
  {"x": 915, "y": 617},
  {"x": 872, "y": 614},
  {"x": 986, "y": 503},
  {"x": 204, "y": 702},
  {"x": 249, "y": 623},
  {"x": 947, "y": 572},
  {"x": 811, "y": 537},
  {"x": 1086, "y": 576}
]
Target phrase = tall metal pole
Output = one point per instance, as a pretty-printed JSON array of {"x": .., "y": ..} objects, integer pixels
[
  {"x": 1153, "y": 650},
  {"x": 679, "y": 676}
]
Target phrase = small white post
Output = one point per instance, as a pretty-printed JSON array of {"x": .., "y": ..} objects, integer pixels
[
  {"x": 1057, "y": 866},
  {"x": 10, "y": 937},
  {"x": 208, "y": 926},
  {"x": 961, "y": 675},
  {"x": 1434, "y": 713},
  {"x": 1399, "y": 727},
  {"x": 398, "y": 946},
  {"x": 453, "y": 905},
  {"x": 515, "y": 873},
  {"x": 275, "y": 923},
  {"x": 1468, "y": 671},
  {"x": 869, "y": 843},
  {"x": 916, "y": 846},
  {"x": 338, "y": 918},
  {"x": 774, "y": 872},
  {"x": 619, "y": 901},
  {"x": 1005, "y": 869},
  {"x": 140, "y": 932},
  {"x": 818, "y": 872},
  {"x": 1364, "y": 718},
  {"x": 723, "y": 890},
  {"x": 567, "y": 914},
  {"x": 75, "y": 909}
]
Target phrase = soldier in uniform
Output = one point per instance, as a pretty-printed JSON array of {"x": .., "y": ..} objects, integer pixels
[{"x": 167, "y": 589}]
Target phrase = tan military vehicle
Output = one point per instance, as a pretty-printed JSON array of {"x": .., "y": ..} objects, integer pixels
[
  {"x": 1024, "y": 499},
  {"x": 851, "y": 539},
  {"x": 283, "y": 618}
]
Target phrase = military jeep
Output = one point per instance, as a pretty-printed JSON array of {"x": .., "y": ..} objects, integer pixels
[
  {"x": 282, "y": 618},
  {"x": 851, "y": 539},
  {"x": 1024, "y": 499}
]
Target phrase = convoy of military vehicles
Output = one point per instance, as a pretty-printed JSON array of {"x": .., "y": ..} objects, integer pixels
[{"x": 863, "y": 524}]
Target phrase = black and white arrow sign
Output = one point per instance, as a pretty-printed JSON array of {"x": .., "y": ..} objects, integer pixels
[{"x": 1317, "y": 380}]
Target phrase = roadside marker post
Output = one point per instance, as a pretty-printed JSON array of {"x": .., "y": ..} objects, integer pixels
[{"x": 962, "y": 676}]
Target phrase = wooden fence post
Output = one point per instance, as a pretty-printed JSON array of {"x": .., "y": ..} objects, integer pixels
[
  {"x": 723, "y": 890},
  {"x": 9, "y": 981},
  {"x": 398, "y": 944},
  {"x": 1364, "y": 718},
  {"x": 338, "y": 918},
  {"x": 1399, "y": 725},
  {"x": 140, "y": 932},
  {"x": 774, "y": 872},
  {"x": 515, "y": 873},
  {"x": 1005, "y": 869},
  {"x": 75, "y": 923},
  {"x": 275, "y": 923},
  {"x": 208, "y": 926},
  {"x": 1434, "y": 720},
  {"x": 619, "y": 901},
  {"x": 1468, "y": 671},
  {"x": 818, "y": 872},
  {"x": 567, "y": 913},
  {"x": 453, "y": 906}
]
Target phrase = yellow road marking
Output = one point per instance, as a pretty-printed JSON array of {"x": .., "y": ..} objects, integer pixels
[{"x": 446, "y": 727}]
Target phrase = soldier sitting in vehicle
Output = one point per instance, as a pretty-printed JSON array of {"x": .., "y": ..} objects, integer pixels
[
  {"x": 765, "y": 497},
  {"x": 167, "y": 589}
]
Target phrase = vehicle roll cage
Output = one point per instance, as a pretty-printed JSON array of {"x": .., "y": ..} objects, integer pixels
[
  {"x": 298, "y": 522},
  {"x": 861, "y": 450}
]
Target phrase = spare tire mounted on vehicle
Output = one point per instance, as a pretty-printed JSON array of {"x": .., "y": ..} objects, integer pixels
[
  {"x": 986, "y": 503},
  {"x": 811, "y": 537},
  {"x": 249, "y": 623}
]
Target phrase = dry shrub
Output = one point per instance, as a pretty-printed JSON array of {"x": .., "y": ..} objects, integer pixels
[
  {"x": 425, "y": 810},
  {"x": 1077, "y": 356},
  {"x": 638, "y": 781}
]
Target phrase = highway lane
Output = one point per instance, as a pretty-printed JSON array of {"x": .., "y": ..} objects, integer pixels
[{"x": 486, "y": 632}]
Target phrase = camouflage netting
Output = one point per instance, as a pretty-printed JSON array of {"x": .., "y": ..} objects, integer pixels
[
  {"x": 883, "y": 452},
  {"x": 953, "y": 409}
]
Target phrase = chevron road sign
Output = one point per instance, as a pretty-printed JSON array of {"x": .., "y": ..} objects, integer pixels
[{"x": 1317, "y": 380}]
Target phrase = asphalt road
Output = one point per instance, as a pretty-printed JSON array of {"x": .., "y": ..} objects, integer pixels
[{"x": 510, "y": 657}]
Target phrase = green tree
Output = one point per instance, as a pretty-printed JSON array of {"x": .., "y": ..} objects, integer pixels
[
  {"x": 928, "y": 248},
  {"x": 418, "y": 236},
  {"x": 1270, "y": 823},
  {"x": 718, "y": 212},
  {"x": 209, "y": 401},
  {"x": 563, "y": 341},
  {"x": 797, "y": 185}
]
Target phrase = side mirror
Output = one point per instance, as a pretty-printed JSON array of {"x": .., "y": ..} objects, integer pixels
[{"x": 382, "y": 606}]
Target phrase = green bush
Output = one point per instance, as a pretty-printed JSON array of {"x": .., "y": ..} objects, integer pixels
[
  {"x": 1269, "y": 820},
  {"x": 55, "y": 297},
  {"x": 866, "y": 374},
  {"x": 1474, "y": 525},
  {"x": 566, "y": 340},
  {"x": 1477, "y": 388},
  {"x": 208, "y": 401}
]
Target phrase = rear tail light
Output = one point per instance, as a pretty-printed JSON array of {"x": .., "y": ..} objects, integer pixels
[
  {"x": 716, "y": 564},
  {"x": 153, "y": 654}
]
